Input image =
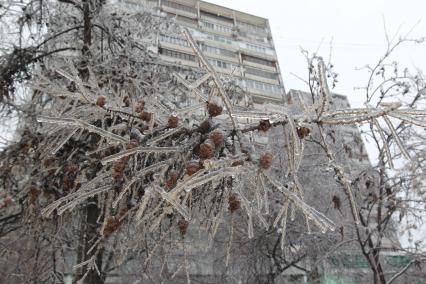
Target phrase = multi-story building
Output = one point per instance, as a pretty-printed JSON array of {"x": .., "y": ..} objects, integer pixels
[{"x": 234, "y": 42}]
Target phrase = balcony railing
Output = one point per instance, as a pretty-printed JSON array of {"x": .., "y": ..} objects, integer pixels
[{"x": 180, "y": 7}]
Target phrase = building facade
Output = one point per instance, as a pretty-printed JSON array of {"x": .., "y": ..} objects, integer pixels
[{"x": 235, "y": 43}]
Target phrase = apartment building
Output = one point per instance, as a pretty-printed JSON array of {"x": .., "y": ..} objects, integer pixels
[{"x": 234, "y": 42}]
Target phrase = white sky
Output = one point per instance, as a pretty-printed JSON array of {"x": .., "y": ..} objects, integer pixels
[{"x": 355, "y": 27}]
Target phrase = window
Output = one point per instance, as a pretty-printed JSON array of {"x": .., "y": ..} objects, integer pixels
[
  {"x": 179, "y": 6},
  {"x": 258, "y": 60},
  {"x": 217, "y": 50},
  {"x": 187, "y": 20},
  {"x": 182, "y": 19},
  {"x": 223, "y": 64},
  {"x": 216, "y": 27},
  {"x": 349, "y": 261},
  {"x": 205, "y": 14},
  {"x": 176, "y": 54},
  {"x": 174, "y": 40},
  {"x": 261, "y": 73},
  {"x": 251, "y": 27},
  {"x": 253, "y": 37},
  {"x": 397, "y": 260},
  {"x": 220, "y": 39},
  {"x": 208, "y": 25},
  {"x": 256, "y": 48},
  {"x": 264, "y": 87},
  {"x": 223, "y": 29}
]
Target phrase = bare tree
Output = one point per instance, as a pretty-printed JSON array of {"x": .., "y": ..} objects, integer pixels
[{"x": 387, "y": 193}]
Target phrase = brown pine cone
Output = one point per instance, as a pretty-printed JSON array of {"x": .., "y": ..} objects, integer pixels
[
  {"x": 264, "y": 125},
  {"x": 111, "y": 226},
  {"x": 173, "y": 122},
  {"x": 214, "y": 109},
  {"x": 126, "y": 101},
  {"x": 192, "y": 167},
  {"x": 265, "y": 160},
  {"x": 145, "y": 116},
  {"x": 101, "y": 101},
  {"x": 132, "y": 144},
  {"x": 140, "y": 105},
  {"x": 217, "y": 137},
  {"x": 234, "y": 203},
  {"x": 205, "y": 127},
  {"x": 183, "y": 227},
  {"x": 172, "y": 180},
  {"x": 303, "y": 132},
  {"x": 207, "y": 149}
]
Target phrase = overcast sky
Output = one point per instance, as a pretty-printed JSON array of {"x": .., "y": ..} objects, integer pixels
[{"x": 355, "y": 27}]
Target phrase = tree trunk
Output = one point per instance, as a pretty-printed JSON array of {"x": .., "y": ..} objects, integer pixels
[
  {"x": 92, "y": 236},
  {"x": 90, "y": 227}
]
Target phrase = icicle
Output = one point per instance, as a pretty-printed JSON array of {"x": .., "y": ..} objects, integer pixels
[
  {"x": 82, "y": 124},
  {"x": 292, "y": 212},
  {"x": 157, "y": 244},
  {"x": 81, "y": 197},
  {"x": 188, "y": 279},
  {"x": 193, "y": 88},
  {"x": 105, "y": 211},
  {"x": 290, "y": 153},
  {"x": 262, "y": 220},
  {"x": 214, "y": 164},
  {"x": 385, "y": 144},
  {"x": 413, "y": 112},
  {"x": 174, "y": 202},
  {"x": 191, "y": 183},
  {"x": 295, "y": 140},
  {"x": 231, "y": 234},
  {"x": 55, "y": 120},
  {"x": 281, "y": 213},
  {"x": 361, "y": 117},
  {"x": 265, "y": 195},
  {"x": 87, "y": 187},
  {"x": 318, "y": 218},
  {"x": 409, "y": 120},
  {"x": 340, "y": 174},
  {"x": 246, "y": 202},
  {"x": 257, "y": 115},
  {"x": 177, "y": 271},
  {"x": 346, "y": 112},
  {"x": 308, "y": 225},
  {"x": 164, "y": 135},
  {"x": 190, "y": 109},
  {"x": 137, "y": 176},
  {"x": 215, "y": 227},
  {"x": 141, "y": 149},
  {"x": 137, "y": 133},
  {"x": 100, "y": 149},
  {"x": 283, "y": 230},
  {"x": 325, "y": 91},
  {"x": 77, "y": 81},
  {"x": 142, "y": 206},
  {"x": 250, "y": 224},
  {"x": 64, "y": 141},
  {"x": 157, "y": 221},
  {"x": 257, "y": 192},
  {"x": 396, "y": 137}
]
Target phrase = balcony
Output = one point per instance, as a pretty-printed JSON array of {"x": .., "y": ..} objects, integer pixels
[
  {"x": 216, "y": 28},
  {"x": 179, "y": 9}
]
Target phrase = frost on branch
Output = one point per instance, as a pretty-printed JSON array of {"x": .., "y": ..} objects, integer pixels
[{"x": 160, "y": 149}]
